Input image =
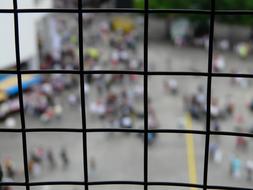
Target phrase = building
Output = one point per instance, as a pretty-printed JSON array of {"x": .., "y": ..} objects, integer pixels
[{"x": 27, "y": 34}]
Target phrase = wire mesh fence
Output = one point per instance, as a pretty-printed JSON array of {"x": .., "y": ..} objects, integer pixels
[{"x": 146, "y": 73}]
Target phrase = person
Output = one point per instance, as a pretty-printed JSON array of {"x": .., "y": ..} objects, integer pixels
[
  {"x": 235, "y": 167},
  {"x": 51, "y": 159},
  {"x": 10, "y": 122},
  {"x": 98, "y": 108},
  {"x": 151, "y": 138},
  {"x": 181, "y": 123},
  {"x": 73, "y": 100},
  {"x": 31, "y": 165},
  {"x": 216, "y": 126},
  {"x": 126, "y": 122},
  {"x": 242, "y": 49},
  {"x": 58, "y": 111},
  {"x": 224, "y": 45},
  {"x": 219, "y": 63},
  {"x": 152, "y": 124},
  {"x": 64, "y": 158},
  {"x": 241, "y": 143},
  {"x": 93, "y": 165},
  {"x": 10, "y": 172},
  {"x": 215, "y": 108},
  {"x": 239, "y": 121},
  {"x": 171, "y": 86},
  {"x": 230, "y": 106},
  {"x": 36, "y": 169},
  {"x": 218, "y": 156},
  {"x": 212, "y": 149},
  {"x": 249, "y": 169}
]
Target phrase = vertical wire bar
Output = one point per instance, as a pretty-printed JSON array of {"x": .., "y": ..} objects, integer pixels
[
  {"x": 20, "y": 93},
  {"x": 209, "y": 92},
  {"x": 82, "y": 92},
  {"x": 146, "y": 17}
]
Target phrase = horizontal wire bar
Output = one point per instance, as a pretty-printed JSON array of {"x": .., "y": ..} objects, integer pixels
[
  {"x": 50, "y": 72},
  {"x": 103, "y": 72},
  {"x": 99, "y": 183},
  {"x": 67, "y": 130},
  {"x": 112, "y": 10},
  {"x": 56, "y": 183},
  {"x": 103, "y": 10},
  {"x": 49, "y": 10},
  {"x": 120, "y": 130},
  {"x": 6, "y": 11},
  {"x": 183, "y": 73},
  {"x": 7, "y": 130},
  {"x": 177, "y": 131},
  {"x": 87, "y": 10},
  {"x": 42, "y": 183},
  {"x": 96, "y": 183},
  {"x": 233, "y": 12},
  {"x": 239, "y": 75},
  {"x": 182, "y": 11},
  {"x": 72, "y": 72},
  {"x": 175, "y": 184},
  {"x": 8, "y": 72},
  {"x": 89, "y": 130},
  {"x": 12, "y": 183},
  {"x": 228, "y": 133},
  {"x": 128, "y": 10},
  {"x": 109, "y": 130},
  {"x": 161, "y": 73},
  {"x": 66, "y": 10}
]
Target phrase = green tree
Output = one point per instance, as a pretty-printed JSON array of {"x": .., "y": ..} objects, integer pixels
[
  {"x": 173, "y": 4},
  {"x": 205, "y": 4}
]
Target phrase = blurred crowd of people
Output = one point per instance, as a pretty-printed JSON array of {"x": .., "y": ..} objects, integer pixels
[
  {"x": 43, "y": 100},
  {"x": 40, "y": 160},
  {"x": 238, "y": 167},
  {"x": 195, "y": 104}
]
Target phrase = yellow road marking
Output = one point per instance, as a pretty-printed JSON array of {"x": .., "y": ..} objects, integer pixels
[{"x": 191, "y": 160}]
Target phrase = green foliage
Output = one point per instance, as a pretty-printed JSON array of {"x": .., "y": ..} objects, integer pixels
[
  {"x": 204, "y": 4},
  {"x": 234, "y": 4},
  {"x": 173, "y": 4},
  {"x": 138, "y": 4}
]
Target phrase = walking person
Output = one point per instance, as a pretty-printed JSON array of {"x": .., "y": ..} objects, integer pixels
[
  {"x": 51, "y": 159},
  {"x": 249, "y": 170},
  {"x": 218, "y": 156},
  {"x": 241, "y": 143},
  {"x": 64, "y": 158},
  {"x": 93, "y": 167},
  {"x": 10, "y": 172},
  {"x": 213, "y": 147},
  {"x": 235, "y": 167}
]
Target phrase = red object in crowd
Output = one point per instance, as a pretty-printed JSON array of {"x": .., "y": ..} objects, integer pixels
[{"x": 133, "y": 77}]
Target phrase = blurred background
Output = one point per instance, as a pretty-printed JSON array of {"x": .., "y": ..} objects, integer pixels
[{"x": 114, "y": 41}]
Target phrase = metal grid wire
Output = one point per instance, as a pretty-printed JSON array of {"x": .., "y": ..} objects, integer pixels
[{"x": 145, "y": 73}]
